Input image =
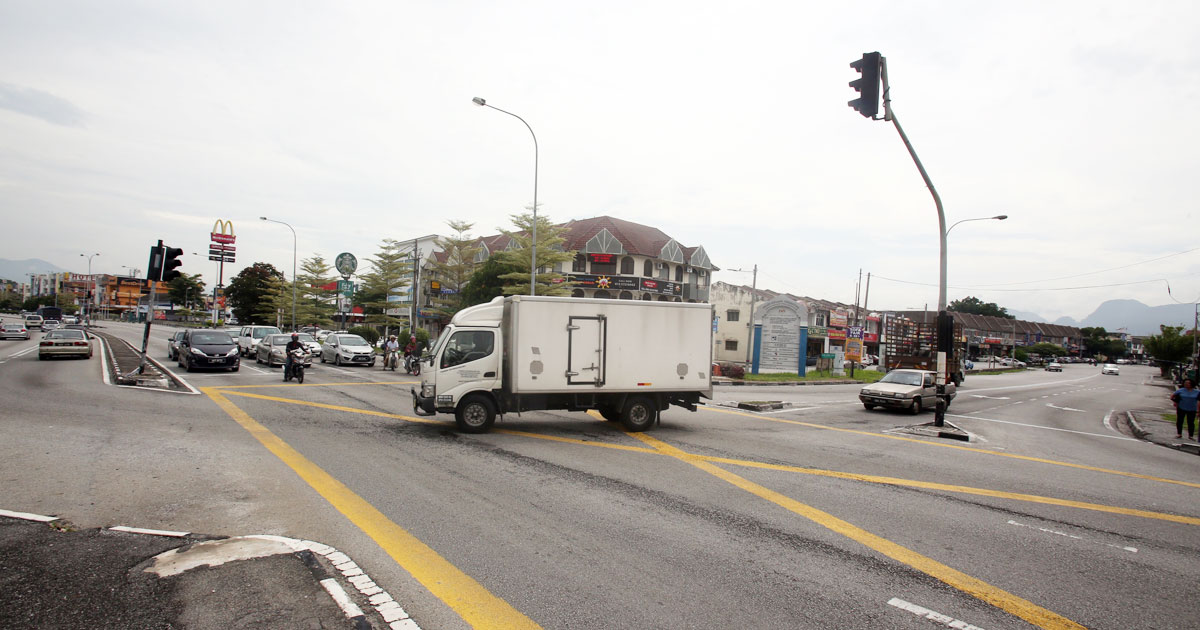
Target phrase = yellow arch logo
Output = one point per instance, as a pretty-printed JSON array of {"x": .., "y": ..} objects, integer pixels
[{"x": 222, "y": 232}]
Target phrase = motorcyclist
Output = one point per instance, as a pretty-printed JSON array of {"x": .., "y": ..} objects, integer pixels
[
  {"x": 292, "y": 345},
  {"x": 410, "y": 351},
  {"x": 388, "y": 348}
]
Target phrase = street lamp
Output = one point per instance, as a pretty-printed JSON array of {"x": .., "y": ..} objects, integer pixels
[
  {"x": 999, "y": 217},
  {"x": 87, "y": 309},
  {"x": 533, "y": 255},
  {"x": 293, "y": 267}
]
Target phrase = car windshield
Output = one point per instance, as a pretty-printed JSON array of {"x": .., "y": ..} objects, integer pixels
[
  {"x": 65, "y": 334},
  {"x": 902, "y": 378},
  {"x": 353, "y": 340},
  {"x": 259, "y": 333},
  {"x": 216, "y": 337},
  {"x": 307, "y": 337}
]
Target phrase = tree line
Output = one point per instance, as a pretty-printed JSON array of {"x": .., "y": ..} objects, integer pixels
[{"x": 261, "y": 292}]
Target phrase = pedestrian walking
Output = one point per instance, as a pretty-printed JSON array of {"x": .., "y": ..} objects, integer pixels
[{"x": 1185, "y": 399}]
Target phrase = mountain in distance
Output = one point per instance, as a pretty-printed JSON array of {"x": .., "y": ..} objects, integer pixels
[
  {"x": 19, "y": 270},
  {"x": 1132, "y": 315}
]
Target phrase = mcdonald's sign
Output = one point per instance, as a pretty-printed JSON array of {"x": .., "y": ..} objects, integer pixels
[{"x": 222, "y": 232}]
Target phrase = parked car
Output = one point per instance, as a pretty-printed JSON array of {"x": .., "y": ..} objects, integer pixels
[
  {"x": 272, "y": 350},
  {"x": 14, "y": 331},
  {"x": 913, "y": 390},
  {"x": 1054, "y": 366},
  {"x": 1109, "y": 368},
  {"x": 201, "y": 348},
  {"x": 65, "y": 343},
  {"x": 173, "y": 345},
  {"x": 249, "y": 336},
  {"x": 347, "y": 349}
]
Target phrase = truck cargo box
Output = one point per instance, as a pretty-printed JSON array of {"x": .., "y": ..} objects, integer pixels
[{"x": 556, "y": 345}]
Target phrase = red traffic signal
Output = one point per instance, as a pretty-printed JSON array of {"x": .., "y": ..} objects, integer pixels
[{"x": 867, "y": 86}]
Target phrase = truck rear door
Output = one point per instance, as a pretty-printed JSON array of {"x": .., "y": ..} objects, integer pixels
[{"x": 586, "y": 348}]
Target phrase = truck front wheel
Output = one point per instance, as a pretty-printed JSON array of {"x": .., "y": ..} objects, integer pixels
[
  {"x": 475, "y": 414},
  {"x": 639, "y": 415}
]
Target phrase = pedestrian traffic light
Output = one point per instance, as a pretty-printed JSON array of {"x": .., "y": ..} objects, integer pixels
[
  {"x": 867, "y": 85},
  {"x": 170, "y": 262}
]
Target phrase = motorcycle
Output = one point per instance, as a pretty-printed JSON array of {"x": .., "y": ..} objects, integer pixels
[
  {"x": 297, "y": 369},
  {"x": 412, "y": 364},
  {"x": 391, "y": 360}
]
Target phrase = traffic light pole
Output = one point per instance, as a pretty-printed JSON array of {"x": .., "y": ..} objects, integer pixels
[
  {"x": 157, "y": 256},
  {"x": 945, "y": 322}
]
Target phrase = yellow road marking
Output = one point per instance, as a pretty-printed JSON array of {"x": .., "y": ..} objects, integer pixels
[
  {"x": 1000, "y": 598},
  {"x": 961, "y": 448},
  {"x": 474, "y": 603},
  {"x": 893, "y": 481},
  {"x": 350, "y": 384}
]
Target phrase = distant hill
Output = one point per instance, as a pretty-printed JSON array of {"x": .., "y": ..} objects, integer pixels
[
  {"x": 19, "y": 270},
  {"x": 1132, "y": 315}
]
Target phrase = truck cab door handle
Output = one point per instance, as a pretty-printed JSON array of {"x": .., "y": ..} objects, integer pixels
[{"x": 489, "y": 375}]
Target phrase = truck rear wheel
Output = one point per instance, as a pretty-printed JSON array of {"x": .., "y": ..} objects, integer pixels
[
  {"x": 475, "y": 414},
  {"x": 639, "y": 414}
]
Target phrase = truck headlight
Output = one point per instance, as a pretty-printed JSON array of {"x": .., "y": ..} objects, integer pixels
[{"x": 427, "y": 390}]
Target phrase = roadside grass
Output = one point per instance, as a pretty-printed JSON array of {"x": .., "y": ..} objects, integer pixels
[{"x": 861, "y": 376}]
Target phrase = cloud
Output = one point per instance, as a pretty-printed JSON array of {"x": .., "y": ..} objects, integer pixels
[{"x": 39, "y": 104}]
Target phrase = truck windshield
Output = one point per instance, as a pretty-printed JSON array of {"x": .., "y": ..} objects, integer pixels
[{"x": 465, "y": 346}]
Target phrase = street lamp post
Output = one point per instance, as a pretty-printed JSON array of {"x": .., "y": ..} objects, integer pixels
[
  {"x": 293, "y": 266},
  {"x": 87, "y": 306},
  {"x": 533, "y": 255}
]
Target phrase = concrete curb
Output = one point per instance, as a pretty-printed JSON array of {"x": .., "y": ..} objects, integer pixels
[{"x": 389, "y": 610}]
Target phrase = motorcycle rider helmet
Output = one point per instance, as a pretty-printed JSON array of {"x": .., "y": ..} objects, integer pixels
[
  {"x": 295, "y": 337},
  {"x": 393, "y": 337}
]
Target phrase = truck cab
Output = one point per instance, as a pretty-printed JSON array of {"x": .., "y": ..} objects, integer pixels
[{"x": 465, "y": 361}]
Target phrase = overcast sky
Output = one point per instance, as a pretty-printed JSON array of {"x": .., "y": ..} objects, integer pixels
[{"x": 722, "y": 124}]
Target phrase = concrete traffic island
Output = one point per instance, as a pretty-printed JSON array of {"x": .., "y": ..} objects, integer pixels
[{"x": 124, "y": 360}]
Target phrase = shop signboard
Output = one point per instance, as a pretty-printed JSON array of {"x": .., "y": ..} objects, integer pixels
[
  {"x": 838, "y": 319},
  {"x": 818, "y": 331},
  {"x": 854, "y": 349},
  {"x": 619, "y": 283},
  {"x": 870, "y": 337},
  {"x": 834, "y": 333},
  {"x": 661, "y": 287}
]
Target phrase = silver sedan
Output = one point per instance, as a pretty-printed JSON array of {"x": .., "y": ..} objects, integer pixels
[{"x": 272, "y": 350}]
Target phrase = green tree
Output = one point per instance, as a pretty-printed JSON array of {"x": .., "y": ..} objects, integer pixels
[
  {"x": 275, "y": 303},
  {"x": 549, "y": 255},
  {"x": 1097, "y": 342},
  {"x": 1169, "y": 346},
  {"x": 248, "y": 288},
  {"x": 1047, "y": 349},
  {"x": 486, "y": 283},
  {"x": 390, "y": 269},
  {"x": 315, "y": 304},
  {"x": 454, "y": 272},
  {"x": 976, "y": 306},
  {"x": 187, "y": 289}
]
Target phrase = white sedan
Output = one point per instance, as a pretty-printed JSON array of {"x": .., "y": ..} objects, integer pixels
[{"x": 1109, "y": 368}]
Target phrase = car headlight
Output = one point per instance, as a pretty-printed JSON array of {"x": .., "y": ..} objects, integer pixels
[
  {"x": 231, "y": 352},
  {"x": 197, "y": 352}
]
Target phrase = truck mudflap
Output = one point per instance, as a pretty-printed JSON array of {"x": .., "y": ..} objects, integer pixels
[{"x": 423, "y": 406}]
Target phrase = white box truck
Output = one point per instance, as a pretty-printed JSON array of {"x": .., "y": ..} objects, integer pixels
[{"x": 627, "y": 359}]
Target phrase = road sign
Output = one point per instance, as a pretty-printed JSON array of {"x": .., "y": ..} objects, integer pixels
[
  {"x": 345, "y": 263},
  {"x": 222, "y": 247},
  {"x": 222, "y": 258},
  {"x": 220, "y": 252},
  {"x": 345, "y": 287}
]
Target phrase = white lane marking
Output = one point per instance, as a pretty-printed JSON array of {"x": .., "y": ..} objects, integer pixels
[
  {"x": 989, "y": 397},
  {"x": 152, "y": 532},
  {"x": 1108, "y": 420},
  {"x": 252, "y": 368},
  {"x": 1032, "y": 385},
  {"x": 1072, "y": 536},
  {"x": 1052, "y": 406},
  {"x": 26, "y": 516},
  {"x": 339, "y": 595},
  {"x": 18, "y": 354},
  {"x": 921, "y": 611},
  {"x": 1035, "y": 426}
]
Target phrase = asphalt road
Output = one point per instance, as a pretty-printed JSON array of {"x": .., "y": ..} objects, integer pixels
[{"x": 822, "y": 515}]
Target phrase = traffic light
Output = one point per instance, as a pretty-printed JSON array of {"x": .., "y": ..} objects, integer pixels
[
  {"x": 155, "y": 266},
  {"x": 170, "y": 262},
  {"x": 867, "y": 86}
]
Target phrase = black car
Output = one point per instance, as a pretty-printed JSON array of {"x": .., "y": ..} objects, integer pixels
[
  {"x": 207, "y": 349},
  {"x": 173, "y": 344}
]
